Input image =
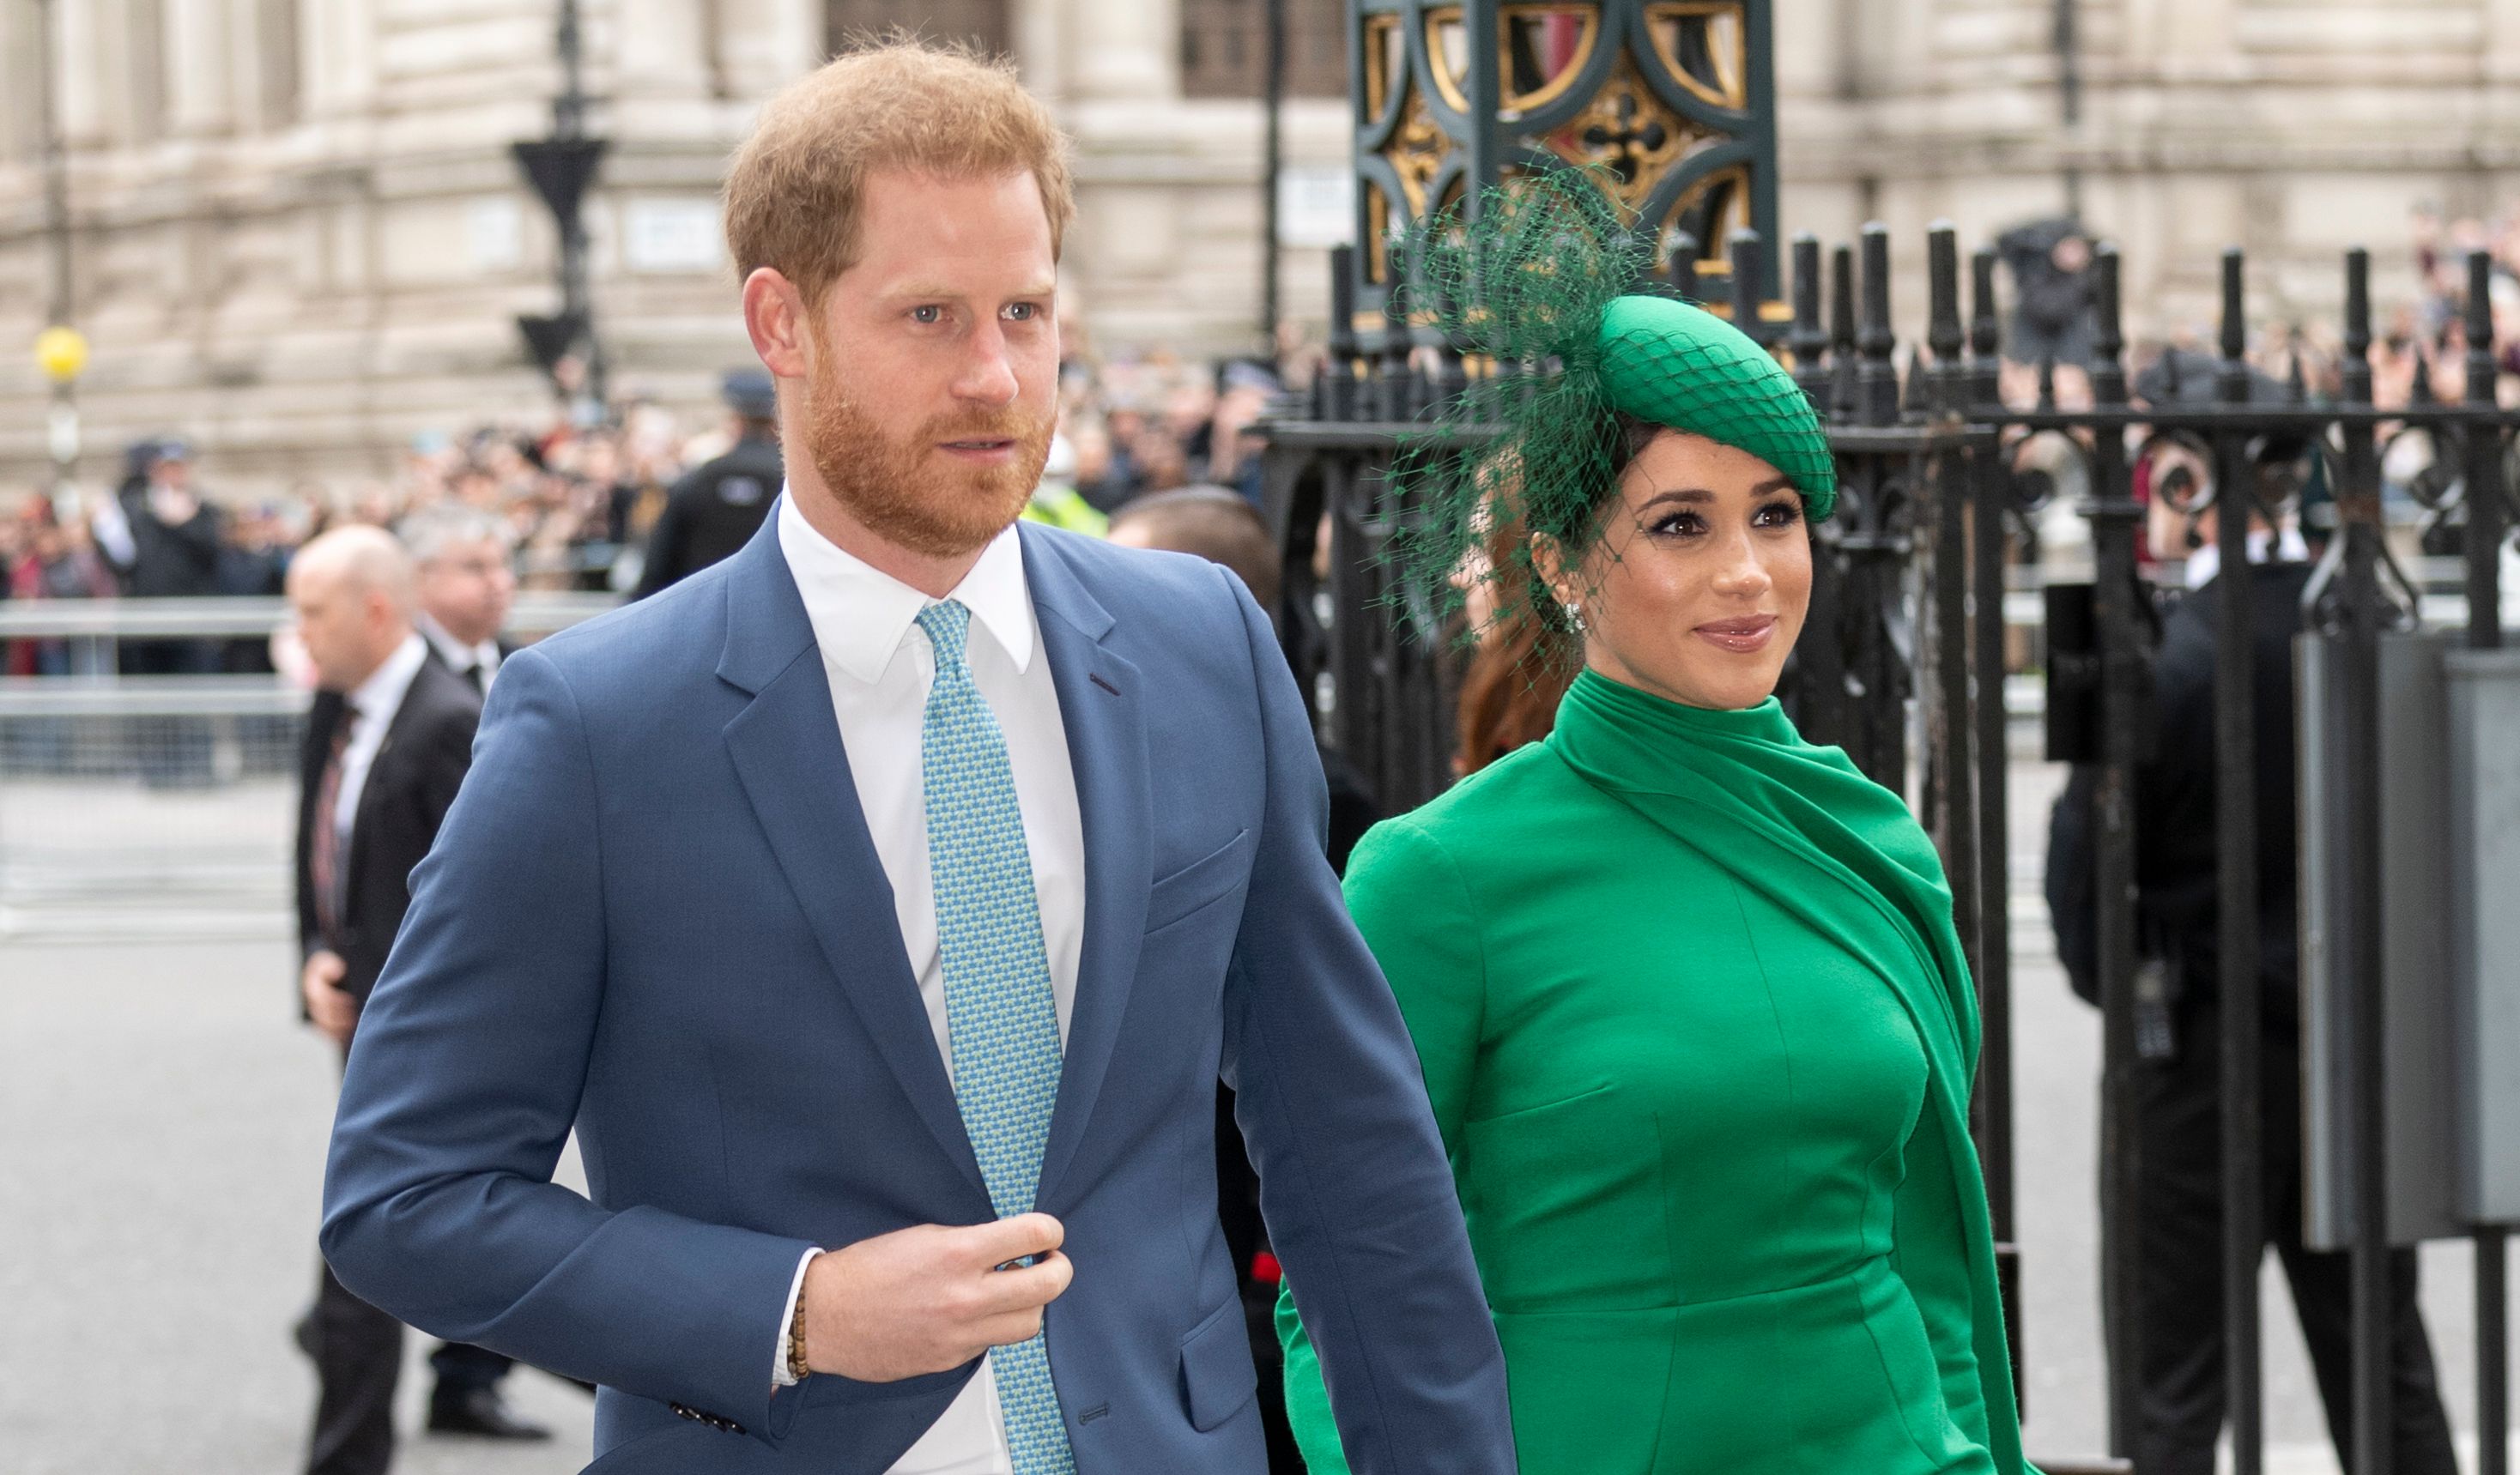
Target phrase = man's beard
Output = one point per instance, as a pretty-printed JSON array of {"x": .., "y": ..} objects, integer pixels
[{"x": 904, "y": 489}]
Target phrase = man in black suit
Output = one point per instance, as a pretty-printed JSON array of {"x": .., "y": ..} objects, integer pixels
[
  {"x": 464, "y": 575},
  {"x": 467, "y": 585},
  {"x": 2181, "y": 1394},
  {"x": 718, "y": 504},
  {"x": 388, "y": 743}
]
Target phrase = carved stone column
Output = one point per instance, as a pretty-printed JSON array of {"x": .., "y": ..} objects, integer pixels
[{"x": 199, "y": 69}]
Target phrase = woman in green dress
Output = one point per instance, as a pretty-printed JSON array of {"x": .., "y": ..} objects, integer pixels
[{"x": 1686, "y": 989}]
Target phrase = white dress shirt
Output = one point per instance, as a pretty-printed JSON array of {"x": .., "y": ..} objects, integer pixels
[
  {"x": 373, "y": 704},
  {"x": 2206, "y": 558},
  {"x": 463, "y": 659},
  {"x": 880, "y": 666}
]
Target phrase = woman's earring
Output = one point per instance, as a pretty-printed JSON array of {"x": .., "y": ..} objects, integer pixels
[{"x": 1574, "y": 616}]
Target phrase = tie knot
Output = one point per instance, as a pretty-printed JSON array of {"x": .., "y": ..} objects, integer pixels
[{"x": 948, "y": 622}]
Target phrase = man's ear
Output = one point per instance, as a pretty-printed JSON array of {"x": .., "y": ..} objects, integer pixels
[{"x": 775, "y": 315}]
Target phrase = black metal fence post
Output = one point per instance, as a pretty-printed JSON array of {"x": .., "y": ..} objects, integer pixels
[
  {"x": 1988, "y": 665},
  {"x": 1876, "y": 373},
  {"x": 1950, "y": 774},
  {"x": 1680, "y": 272},
  {"x": 1335, "y": 389},
  {"x": 1747, "y": 287},
  {"x": 1842, "y": 333},
  {"x": 1824, "y": 361},
  {"x": 2116, "y": 588},
  {"x": 1877, "y": 548},
  {"x": 1808, "y": 341},
  {"x": 2360, "y": 615},
  {"x": 2236, "y": 802},
  {"x": 2487, "y": 527}
]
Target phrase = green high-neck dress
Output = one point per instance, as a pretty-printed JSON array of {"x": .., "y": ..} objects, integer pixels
[{"x": 1697, "y": 1033}]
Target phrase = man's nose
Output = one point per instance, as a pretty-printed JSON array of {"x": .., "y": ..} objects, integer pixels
[{"x": 988, "y": 374}]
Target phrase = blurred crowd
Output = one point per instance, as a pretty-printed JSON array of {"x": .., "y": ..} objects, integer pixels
[
  {"x": 581, "y": 503},
  {"x": 581, "y": 497},
  {"x": 2419, "y": 342}
]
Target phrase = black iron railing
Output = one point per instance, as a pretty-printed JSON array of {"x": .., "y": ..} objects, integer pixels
[{"x": 1904, "y": 662}]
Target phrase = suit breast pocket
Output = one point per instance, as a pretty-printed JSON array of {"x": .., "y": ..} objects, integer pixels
[{"x": 1200, "y": 883}]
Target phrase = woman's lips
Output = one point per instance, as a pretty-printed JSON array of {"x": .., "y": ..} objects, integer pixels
[{"x": 1742, "y": 636}]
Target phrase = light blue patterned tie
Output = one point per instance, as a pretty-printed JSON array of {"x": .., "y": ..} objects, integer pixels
[{"x": 999, "y": 1011}]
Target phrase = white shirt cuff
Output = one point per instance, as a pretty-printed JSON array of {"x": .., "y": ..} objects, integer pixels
[{"x": 780, "y": 1376}]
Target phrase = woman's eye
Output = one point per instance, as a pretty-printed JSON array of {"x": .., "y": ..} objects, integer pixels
[
  {"x": 1678, "y": 525},
  {"x": 1781, "y": 514}
]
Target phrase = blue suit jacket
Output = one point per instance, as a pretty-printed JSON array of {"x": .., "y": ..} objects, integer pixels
[{"x": 655, "y": 915}]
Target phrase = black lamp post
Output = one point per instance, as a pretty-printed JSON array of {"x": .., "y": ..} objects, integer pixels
[
  {"x": 560, "y": 167},
  {"x": 60, "y": 349}
]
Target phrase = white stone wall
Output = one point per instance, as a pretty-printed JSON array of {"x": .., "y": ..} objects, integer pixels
[
  {"x": 301, "y": 285},
  {"x": 301, "y": 239}
]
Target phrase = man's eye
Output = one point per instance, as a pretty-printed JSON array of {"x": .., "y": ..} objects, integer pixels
[
  {"x": 1023, "y": 312},
  {"x": 927, "y": 313}
]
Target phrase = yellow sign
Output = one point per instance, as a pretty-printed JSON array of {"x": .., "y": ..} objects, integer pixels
[{"x": 62, "y": 352}]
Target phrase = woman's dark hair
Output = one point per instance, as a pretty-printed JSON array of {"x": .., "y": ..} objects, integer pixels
[
  {"x": 1509, "y": 694},
  {"x": 1621, "y": 438}
]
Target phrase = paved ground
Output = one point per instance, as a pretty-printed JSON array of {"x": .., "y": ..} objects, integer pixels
[
  {"x": 2056, "y": 1051},
  {"x": 162, "y": 1118},
  {"x": 162, "y": 1130}
]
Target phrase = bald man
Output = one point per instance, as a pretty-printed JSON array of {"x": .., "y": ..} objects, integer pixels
[{"x": 387, "y": 741}]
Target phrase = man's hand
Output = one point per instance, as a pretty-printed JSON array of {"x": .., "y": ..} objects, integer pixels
[
  {"x": 333, "y": 1011},
  {"x": 929, "y": 1298}
]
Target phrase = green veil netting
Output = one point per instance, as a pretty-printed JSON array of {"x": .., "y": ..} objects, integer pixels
[{"x": 1547, "y": 291}]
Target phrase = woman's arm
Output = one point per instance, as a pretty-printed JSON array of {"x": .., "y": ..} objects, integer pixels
[
  {"x": 1414, "y": 908},
  {"x": 1930, "y": 1253}
]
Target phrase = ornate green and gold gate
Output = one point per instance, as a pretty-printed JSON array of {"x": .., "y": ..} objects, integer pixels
[{"x": 1669, "y": 102}]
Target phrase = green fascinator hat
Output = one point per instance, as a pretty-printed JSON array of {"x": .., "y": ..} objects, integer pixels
[
  {"x": 1674, "y": 365},
  {"x": 1574, "y": 354}
]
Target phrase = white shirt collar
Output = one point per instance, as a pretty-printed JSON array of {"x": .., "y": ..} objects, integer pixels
[
  {"x": 455, "y": 652},
  {"x": 861, "y": 613},
  {"x": 381, "y": 695}
]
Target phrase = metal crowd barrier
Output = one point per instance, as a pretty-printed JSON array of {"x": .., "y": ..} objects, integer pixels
[
  {"x": 160, "y": 805},
  {"x": 535, "y": 614}
]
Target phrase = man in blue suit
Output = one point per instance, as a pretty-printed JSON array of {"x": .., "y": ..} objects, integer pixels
[{"x": 881, "y": 907}]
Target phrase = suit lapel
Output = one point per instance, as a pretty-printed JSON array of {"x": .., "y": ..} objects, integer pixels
[
  {"x": 379, "y": 780},
  {"x": 1099, "y": 704},
  {"x": 786, "y": 750}
]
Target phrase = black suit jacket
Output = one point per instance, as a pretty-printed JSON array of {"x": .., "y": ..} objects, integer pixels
[
  {"x": 712, "y": 512},
  {"x": 2176, "y": 870},
  {"x": 428, "y": 746}
]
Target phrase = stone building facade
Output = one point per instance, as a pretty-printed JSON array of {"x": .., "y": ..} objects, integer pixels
[
  {"x": 297, "y": 235},
  {"x": 2292, "y": 128}
]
